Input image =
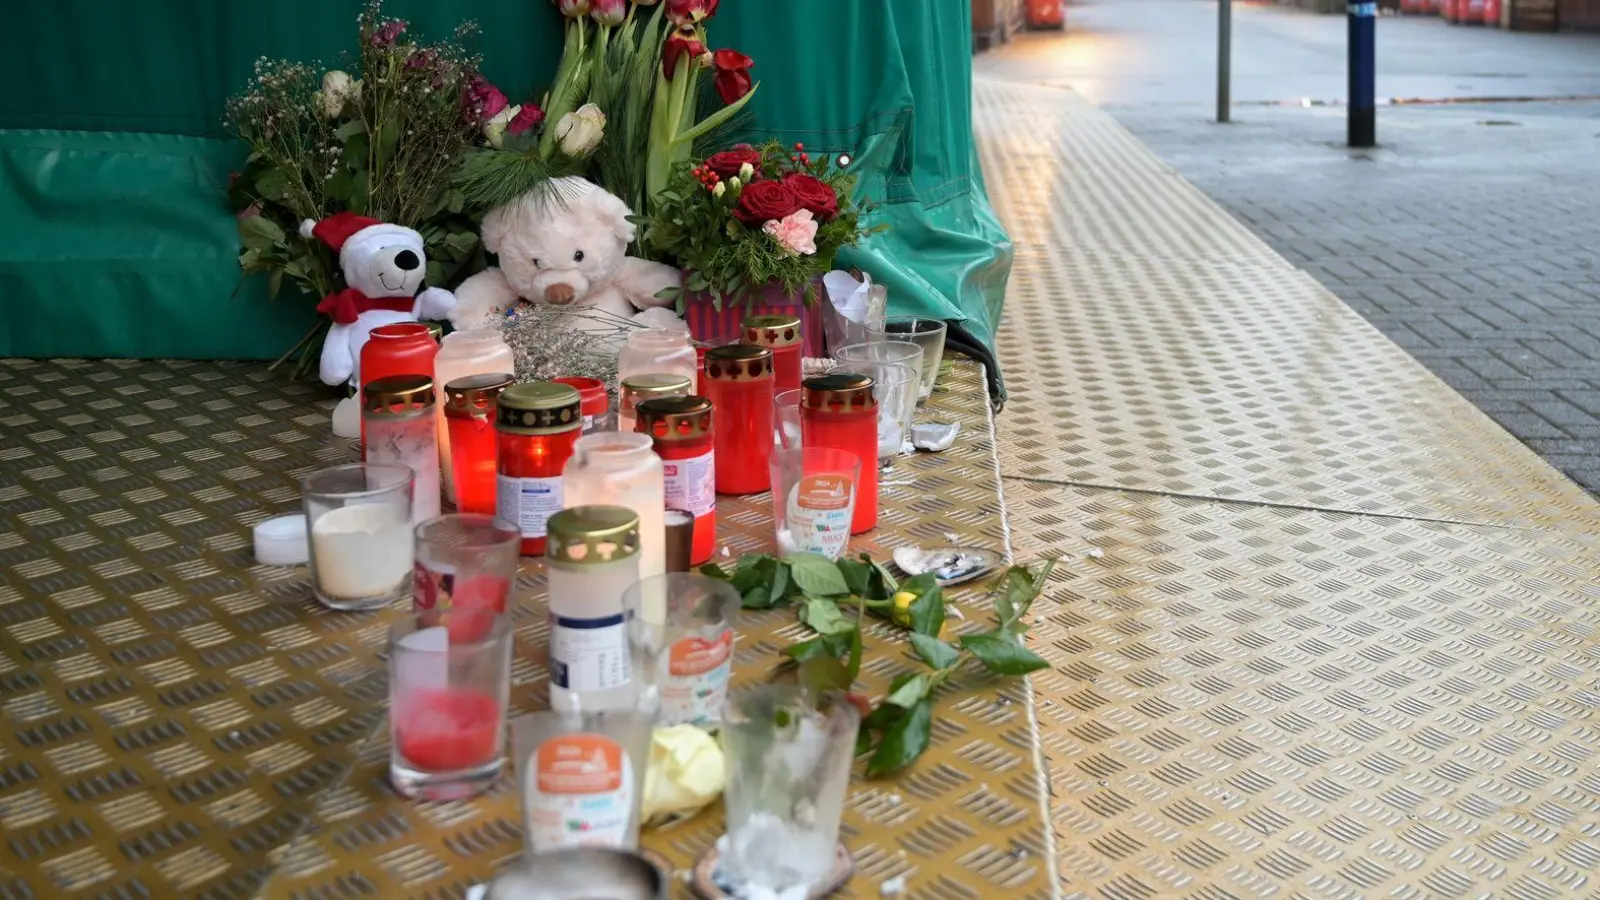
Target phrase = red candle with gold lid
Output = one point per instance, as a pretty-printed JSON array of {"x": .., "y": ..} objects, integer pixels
[
  {"x": 592, "y": 392},
  {"x": 681, "y": 428},
  {"x": 780, "y": 334},
  {"x": 538, "y": 425},
  {"x": 469, "y": 413},
  {"x": 738, "y": 382},
  {"x": 840, "y": 412}
]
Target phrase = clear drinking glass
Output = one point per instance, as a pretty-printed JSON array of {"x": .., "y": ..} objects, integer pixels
[
  {"x": 788, "y": 773},
  {"x": 813, "y": 498},
  {"x": 359, "y": 520},
  {"x": 447, "y": 706},
  {"x": 786, "y": 416},
  {"x": 692, "y": 650},
  {"x": 896, "y": 387},
  {"x": 929, "y": 334},
  {"x": 465, "y": 564}
]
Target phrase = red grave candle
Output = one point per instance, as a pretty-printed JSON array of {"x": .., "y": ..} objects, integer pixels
[
  {"x": 682, "y": 430},
  {"x": 404, "y": 349},
  {"x": 469, "y": 411},
  {"x": 538, "y": 425},
  {"x": 592, "y": 395},
  {"x": 841, "y": 413},
  {"x": 738, "y": 382},
  {"x": 781, "y": 335}
]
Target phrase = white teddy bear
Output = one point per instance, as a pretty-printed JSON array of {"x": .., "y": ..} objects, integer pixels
[
  {"x": 383, "y": 267},
  {"x": 567, "y": 246}
]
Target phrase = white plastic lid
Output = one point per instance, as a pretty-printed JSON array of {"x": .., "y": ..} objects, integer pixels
[{"x": 282, "y": 541}]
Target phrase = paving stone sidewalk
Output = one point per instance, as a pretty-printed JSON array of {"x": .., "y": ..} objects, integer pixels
[{"x": 1471, "y": 238}]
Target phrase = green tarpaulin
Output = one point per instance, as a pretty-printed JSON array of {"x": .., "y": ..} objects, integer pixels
[{"x": 116, "y": 239}]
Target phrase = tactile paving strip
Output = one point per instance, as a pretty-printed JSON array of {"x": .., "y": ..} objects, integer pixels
[
  {"x": 1148, "y": 350},
  {"x": 1250, "y": 701}
]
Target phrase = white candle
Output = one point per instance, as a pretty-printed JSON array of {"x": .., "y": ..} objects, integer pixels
[{"x": 362, "y": 550}]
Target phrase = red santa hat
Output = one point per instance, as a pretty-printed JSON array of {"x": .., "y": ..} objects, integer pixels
[{"x": 336, "y": 229}]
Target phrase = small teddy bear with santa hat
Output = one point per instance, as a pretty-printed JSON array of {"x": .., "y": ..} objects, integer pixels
[{"x": 383, "y": 266}]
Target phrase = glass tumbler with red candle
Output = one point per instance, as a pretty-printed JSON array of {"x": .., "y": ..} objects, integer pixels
[
  {"x": 447, "y": 705},
  {"x": 780, "y": 334},
  {"x": 538, "y": 424},
  {"x": 738, "y": 382},
  {"x": 840, "y": 412},
  {"x": 592, "y": 396},
  {"x": 469, "y": 410},
  {"x": 407, "y": 348},
  {"x": 682, "y": 430}
]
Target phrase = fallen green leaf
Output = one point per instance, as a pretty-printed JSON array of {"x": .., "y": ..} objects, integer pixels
[
  {"x": 935, "y": 652},
  {"x": 822, "y": 674},
  {"x": 1002, "y": 653},
  {"x": 927, "y": 611},
  {"x": 817, "y": 575},
  {"x": 825, "y": 617},
  {"x": 903, "y": 741},
  {"x": 909, "y": 693},
  {"x": 857, "y": 575}
]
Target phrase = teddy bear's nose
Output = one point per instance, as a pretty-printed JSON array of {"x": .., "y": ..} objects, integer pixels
[{"x": 406, "y": 260}]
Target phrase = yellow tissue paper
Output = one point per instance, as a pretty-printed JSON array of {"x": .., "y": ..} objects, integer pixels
[{"x": 686, "y": 773}]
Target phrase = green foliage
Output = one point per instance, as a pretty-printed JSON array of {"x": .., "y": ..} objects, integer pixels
[
  {"x": 694, "y": 228},
  {"x": 898, "y": 729}
]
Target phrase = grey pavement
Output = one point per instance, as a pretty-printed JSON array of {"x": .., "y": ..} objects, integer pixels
[{"x": 1471, "y": 236}]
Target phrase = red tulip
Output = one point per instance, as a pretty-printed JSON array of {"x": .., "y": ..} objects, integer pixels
[
  {"x": 689, "y": 13},
  {"x": 679, "y": 46},
  {"x": 733, "y": 74}
]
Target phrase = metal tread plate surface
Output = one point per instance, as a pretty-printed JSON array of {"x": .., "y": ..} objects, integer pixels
[
  {"x": 1146, "y": 350},
  {"x": 178, "y": 715}
]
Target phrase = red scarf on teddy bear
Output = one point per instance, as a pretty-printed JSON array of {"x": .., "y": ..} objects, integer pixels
[{"x": 349, "y": 303}]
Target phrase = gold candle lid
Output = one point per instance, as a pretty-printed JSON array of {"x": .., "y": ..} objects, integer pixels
[
  {"x": 592, "y": 535},
  {"x": 673, "y": 418},
  {"x": 540, "y": 408},
  {"x": 772, "y": 331},
  {"x": 648, "y": 387},
  {"x": 838, "y": 393},
  {"x": 475, "y": 396},
  {"x": 397, "y": 396},
  {"x": 738, "y": 362}
]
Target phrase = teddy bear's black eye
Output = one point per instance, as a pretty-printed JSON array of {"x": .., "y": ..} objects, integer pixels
[
  {"x": 536, "y": 262},
  {"x": 577, "y": 257}
]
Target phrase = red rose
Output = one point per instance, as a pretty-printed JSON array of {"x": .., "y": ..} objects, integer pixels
[
  {"x": 728, "y": 163},
  {"x": 814, "y": 195},
  {"x": 763, "y": 201},
  {"x": 733, "y": 74},
  {"x": 528, "y": 119}
]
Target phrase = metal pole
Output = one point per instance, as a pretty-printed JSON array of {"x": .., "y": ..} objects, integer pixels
[
  {"x": 1363, "y": 113},
  {"x": 1224, "y": 58}
]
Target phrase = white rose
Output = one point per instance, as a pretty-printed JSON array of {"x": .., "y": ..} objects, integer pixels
[
  {"x": 338, "y": 88},
  {"x": 494, "y": 130},
  {"x": 581, "y": 131}
]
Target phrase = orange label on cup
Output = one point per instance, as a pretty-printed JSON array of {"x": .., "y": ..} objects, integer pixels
[
  {"x": 579, "y": 764},
  {"x": 824, "y": 492},
  {"x": 697, "y": 656}
]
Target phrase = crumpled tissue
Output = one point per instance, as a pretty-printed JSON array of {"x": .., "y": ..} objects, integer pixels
[{"x": 687, "y": 773}]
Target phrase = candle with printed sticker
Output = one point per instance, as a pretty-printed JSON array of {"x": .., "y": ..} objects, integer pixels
[
  {"x": 538, "y": 426},
  {"x": 592, "y": 560},
  {"x": 841, "y": 412},
  {"x": 681, "y": 428}
]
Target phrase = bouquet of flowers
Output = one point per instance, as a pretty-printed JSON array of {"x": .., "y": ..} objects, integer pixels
[
  {"x": 382, "y": 142},
  {"x": 748, "y": 217}
]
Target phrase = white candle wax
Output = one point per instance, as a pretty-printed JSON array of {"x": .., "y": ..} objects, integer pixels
[{"x": 362, "y": 550}]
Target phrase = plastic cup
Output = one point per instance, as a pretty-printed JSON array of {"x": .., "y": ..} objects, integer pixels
[
  {"x": 929, "y": 334},
  {"x": 788, "y": 773},
  {"x": 691, "y": 652},
  {"x": 813, "y": 498},
  {"x": 447, "y": 707},
  {"x": 465, "y": 564},
  {"x": 359, "y": 521},
  {"x": 896, "y": 387},
  {"x": 582, "y": 778},
  {"x": 786, "y": 418}
]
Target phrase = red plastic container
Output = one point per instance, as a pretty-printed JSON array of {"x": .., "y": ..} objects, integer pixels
[
  {"x": 839, "y": 412},
  {"x": 592, "y": 394},
  {"x": 738, "y": 382},
  {"x": 684, "y": 439},
  {"x": 1046, "y": 14},
  {"x": 404, "y": 349},
  {"x": 781, "y": 334},
  {"x": 538, "y": 425}
]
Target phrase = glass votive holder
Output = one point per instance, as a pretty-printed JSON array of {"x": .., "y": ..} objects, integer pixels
[
  {"x": 692, "y": 650},
  {"x": 890, "y": 350},
  {"x": 813, "y": 499},
  {"x": 896, "y": 387},
  {"x": 788, "y": 772},
  {"x": 465, "y": 565},
  {"x": 786, "y": 418},
  {"x": 359, "y": 521},
  {"x": 929, "y": 334},
  {"x": 447, "y": 706}
]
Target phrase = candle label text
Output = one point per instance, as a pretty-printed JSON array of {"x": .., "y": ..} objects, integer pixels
[
  {"x": 582, "y": 793},
  {"x": 529, "y": 502},
  {"x": 691, "y": 484},
  {"x": 697, "y": 679},
  {"x": 589, "y": 654},
  {"x": 819, "y": 513}
]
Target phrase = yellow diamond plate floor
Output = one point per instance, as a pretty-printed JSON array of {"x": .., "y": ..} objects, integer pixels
[{"x": 1324, "y": 631}]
